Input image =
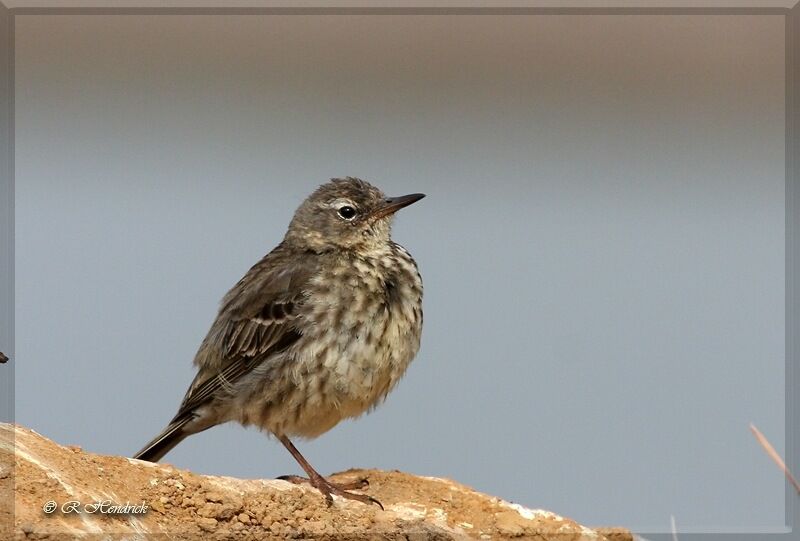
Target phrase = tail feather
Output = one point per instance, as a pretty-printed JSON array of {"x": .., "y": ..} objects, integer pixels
[{"x": 164, "y": 442}]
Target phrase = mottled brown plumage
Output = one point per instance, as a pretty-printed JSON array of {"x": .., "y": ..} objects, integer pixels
[{"x": 319, "y": 330}]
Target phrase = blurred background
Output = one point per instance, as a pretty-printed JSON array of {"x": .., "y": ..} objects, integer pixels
[{"x": 602, "y": 243}]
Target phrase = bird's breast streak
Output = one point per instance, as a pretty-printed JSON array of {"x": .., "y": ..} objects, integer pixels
[{"x": 365, "y": 340}]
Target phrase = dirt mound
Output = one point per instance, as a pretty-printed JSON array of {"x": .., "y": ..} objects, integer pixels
[{"x": 64, "y": 492}]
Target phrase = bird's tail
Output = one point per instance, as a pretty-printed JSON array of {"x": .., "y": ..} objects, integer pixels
[{"x": 164, "y": 442}]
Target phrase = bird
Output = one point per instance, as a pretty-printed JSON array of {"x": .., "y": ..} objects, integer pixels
[{"x": 319, "y": 330}]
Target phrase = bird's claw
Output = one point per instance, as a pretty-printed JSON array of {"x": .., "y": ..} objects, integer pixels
[
  {"x": 358, "y": 484},
  {"x": 328, "y": 488}
]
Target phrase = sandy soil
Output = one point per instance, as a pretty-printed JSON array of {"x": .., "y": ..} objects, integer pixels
[{"x": 183, "y": 505}]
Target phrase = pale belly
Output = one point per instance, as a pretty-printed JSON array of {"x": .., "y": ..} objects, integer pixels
[
  {"x": 359, "y": 336},
  {"x": 350, "y": 375},
  {"x": 330, "y": 376}
]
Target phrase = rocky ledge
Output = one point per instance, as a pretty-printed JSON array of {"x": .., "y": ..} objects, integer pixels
[{"x": 178, "y": 504}]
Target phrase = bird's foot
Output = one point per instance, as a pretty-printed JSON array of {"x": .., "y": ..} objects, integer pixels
[
  {"x": 352, "y": 485},
  {"x": 340, "y": 489}
]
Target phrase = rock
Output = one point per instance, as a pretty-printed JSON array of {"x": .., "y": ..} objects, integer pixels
[
  {"x": 58, "y": 494},
  {"x": 207, "y": 524}
]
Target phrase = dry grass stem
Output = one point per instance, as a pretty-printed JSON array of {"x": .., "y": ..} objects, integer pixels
[{"x": 773, "y": 454}]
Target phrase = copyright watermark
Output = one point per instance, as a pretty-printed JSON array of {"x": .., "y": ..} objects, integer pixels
[{"x": 104, "y": 507}]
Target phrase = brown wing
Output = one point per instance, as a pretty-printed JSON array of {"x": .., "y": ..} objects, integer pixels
[{"x": 258, "y": 318}]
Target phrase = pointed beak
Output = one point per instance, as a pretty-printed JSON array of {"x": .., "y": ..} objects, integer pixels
[{"x": 393, "y": 204}]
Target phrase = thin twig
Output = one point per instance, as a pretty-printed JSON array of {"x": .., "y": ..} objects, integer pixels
[
  {"x": 773, "y": 454},
  {"x": 674, "y": 529}
]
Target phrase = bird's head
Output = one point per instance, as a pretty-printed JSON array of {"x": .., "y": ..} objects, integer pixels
[{"x": 346, "y": 214}]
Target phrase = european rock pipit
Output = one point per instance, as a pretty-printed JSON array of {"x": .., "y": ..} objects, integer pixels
[{"x": 319, "y": 330}]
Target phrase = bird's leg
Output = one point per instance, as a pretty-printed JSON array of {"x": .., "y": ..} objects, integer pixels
[{"x": 320, "y": 483}]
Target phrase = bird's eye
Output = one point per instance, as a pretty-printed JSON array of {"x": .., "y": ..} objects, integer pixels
[{"x": 347, "y": 212}]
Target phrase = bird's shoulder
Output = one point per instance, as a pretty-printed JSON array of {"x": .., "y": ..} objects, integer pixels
[
  {"x": 259, "y": 312},
  {"x": 279, "y": 277}
]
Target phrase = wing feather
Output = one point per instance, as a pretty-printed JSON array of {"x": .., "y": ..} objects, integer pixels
[{"x": 259, "y": 318}]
